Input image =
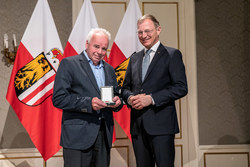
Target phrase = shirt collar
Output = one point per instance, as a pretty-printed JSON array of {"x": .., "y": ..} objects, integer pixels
[
  {"x": 154, "y": 47},
  {"x": 100, "y": 65}
]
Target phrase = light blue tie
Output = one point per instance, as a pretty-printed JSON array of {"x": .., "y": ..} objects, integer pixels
[{"x": 145, "y": 63}]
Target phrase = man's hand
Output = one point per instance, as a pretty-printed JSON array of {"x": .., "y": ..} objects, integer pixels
[
  {"x": 140, "y": 101},
  {"x": 117, "y": 101},
  {"x": 97, "y": 104}
]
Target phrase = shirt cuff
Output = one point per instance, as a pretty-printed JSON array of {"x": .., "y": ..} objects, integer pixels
[
  {"x": 153, "y": 102},
  {"x": 128, "y": 99}
]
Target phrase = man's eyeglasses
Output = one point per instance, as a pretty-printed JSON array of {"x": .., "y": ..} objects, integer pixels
[{"x": 140, "y": 33}]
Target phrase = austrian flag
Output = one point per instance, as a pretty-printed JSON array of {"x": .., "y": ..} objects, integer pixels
[{"x": 31, "y": 83}]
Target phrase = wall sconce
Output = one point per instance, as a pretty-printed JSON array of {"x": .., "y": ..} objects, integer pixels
[{"x": 9, "y": 55}]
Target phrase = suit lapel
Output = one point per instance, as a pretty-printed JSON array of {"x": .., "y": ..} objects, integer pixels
[
  {"x": 157, "y": 56},
  {"x": 87, "y": 68},
  {"x": 139, "y": 65}
]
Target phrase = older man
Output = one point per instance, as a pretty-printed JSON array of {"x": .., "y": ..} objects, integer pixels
[{"x": 87, "y": 122}]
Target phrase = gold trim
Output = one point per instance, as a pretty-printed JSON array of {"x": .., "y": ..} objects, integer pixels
[
  {"x": 180, "y": 121},
  {"x": 28, "y": 157},
  {"x": 127, "y": 147},
  {"x": 108, "y": 2},
  {"x": 177, "y": 10},
  {"x": 181, "y": 146},
  {"x": 122, "y": 138},
  {"x": 57, "y": 156},
  {"x": 207, "y": 153}
]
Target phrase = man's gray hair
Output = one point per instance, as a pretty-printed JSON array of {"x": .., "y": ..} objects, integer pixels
[
  {"x": 150, "y": 17},
  {"x": 98, "y": 30}
]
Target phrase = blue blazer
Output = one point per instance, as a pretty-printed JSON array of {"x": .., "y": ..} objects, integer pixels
[
  {"x": 75, "y": 86},
  {"x": 165, "y": 81}
]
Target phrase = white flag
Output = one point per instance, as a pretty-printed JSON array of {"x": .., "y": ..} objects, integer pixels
[
  {"x": 85, "y": 21},
  {"x": 125, "y": 44}
]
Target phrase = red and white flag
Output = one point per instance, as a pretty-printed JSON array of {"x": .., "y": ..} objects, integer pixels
[
  {"x": 31, "y": 83},
  {"x": 85, "y": 21},
  {"x": 125, "y": 44}
]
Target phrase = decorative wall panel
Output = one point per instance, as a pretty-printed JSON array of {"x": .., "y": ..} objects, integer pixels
[
  {"x": 223, "y": 66},
  {"x": 107, "y": 19},
  {"x": 233, "y": 159}
]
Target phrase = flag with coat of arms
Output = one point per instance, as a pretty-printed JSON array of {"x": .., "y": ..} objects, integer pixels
[
  {"x": 31, "y": 83},
  {"x": 125, "y": 44}
]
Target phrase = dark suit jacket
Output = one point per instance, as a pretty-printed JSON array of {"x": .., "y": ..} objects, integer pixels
[
  {"x": 165, "y": 81},
  {"x": 74, "y": 88}
]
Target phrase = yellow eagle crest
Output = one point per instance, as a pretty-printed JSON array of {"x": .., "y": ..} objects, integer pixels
[
  {"x": 120, "y": 72},
  {"x": 32, "y": 72}
]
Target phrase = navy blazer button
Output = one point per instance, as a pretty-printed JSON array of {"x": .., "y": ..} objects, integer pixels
[
  {"x": 100, "y": 118},
  {"x": 141, "y": 90}
]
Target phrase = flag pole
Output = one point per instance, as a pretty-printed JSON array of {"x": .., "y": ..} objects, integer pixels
[{"x": 44, "y": 163}]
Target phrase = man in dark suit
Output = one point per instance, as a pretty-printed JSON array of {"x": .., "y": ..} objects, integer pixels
[
  {"x": 152, "y": 84},
  {"x": 87, "y": 122}
]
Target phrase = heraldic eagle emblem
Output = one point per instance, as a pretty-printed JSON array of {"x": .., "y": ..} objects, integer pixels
[
  {"x": 34, "y": 82},
  {"x": 120, "y": 72}
]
